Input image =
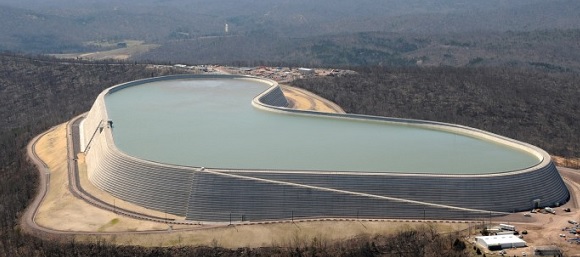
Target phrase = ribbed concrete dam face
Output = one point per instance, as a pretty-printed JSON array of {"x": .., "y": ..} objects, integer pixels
[{"x": 146, "y": 142}]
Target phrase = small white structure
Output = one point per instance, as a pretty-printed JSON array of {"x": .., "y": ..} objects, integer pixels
[
  {"x": 507, "y": 227},
  {"x": 500, "y": 242},
  {"x": 305, "y": 71}
]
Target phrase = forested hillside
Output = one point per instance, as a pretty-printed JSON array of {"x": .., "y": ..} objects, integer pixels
[
  {"x": 547, "y": 50},
  {"x": 540, "y": 108},
  {"x": 36, "y": 94},
  {"x": 65, "y": 26}
]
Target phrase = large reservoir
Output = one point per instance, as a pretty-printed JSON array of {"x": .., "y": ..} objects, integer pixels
[
  {"x": 146, "y": 142},
  {"x": 211, "y": 122}
]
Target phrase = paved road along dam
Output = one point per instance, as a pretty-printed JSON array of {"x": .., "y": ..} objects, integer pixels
[{"x": 218, "y": 146}]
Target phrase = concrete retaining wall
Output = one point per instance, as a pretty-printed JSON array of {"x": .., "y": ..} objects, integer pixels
[{"x": 241, "y": 195}]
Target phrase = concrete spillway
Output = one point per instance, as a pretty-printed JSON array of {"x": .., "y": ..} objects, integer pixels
[{"x": 348, "y": 164}]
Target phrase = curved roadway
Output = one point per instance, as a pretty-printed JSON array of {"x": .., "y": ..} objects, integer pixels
[
  {"x": 28, "y": 220},
  {"x": 29, "y": 217},
  {"x": 75, "y": 188}
]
